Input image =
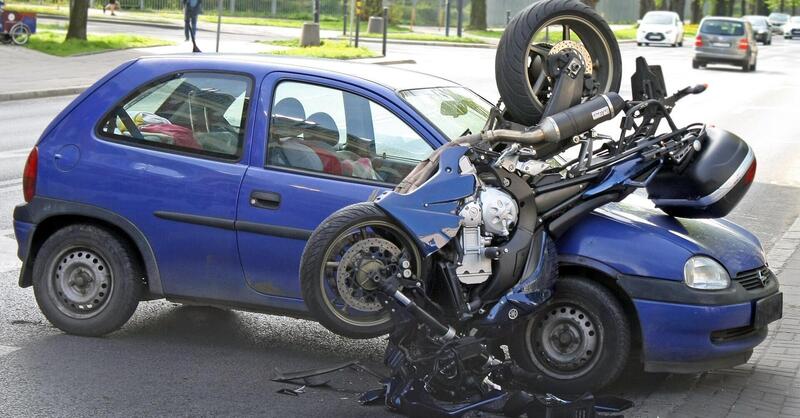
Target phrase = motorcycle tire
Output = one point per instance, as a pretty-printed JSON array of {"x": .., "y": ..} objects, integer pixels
[
  {"x": 322, "y": 250},
  {"x": 512, "y": 60},
  {"x": 593, "y": 320}
]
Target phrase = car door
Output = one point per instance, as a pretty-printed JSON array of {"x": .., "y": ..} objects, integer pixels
[
  {"x": 326, "y": 145},
  {"x": 184, "y": 136}
]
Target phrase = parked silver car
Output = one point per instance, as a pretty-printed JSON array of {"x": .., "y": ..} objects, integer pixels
[
  {"x": 761, "y": 27},
  {"x": 725, "y": 40}
]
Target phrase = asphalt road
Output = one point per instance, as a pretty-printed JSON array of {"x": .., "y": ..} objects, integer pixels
[{"x": 182, "y": 361}]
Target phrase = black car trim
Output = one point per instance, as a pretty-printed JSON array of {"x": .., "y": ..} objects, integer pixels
[
  {"x": 230, "y": 224},
  {"x": 674, "y": 291},
  {"x": 196, "y": 219},
  {"x": 40, "y": 209},
  {"x": 274, "y": 230}
]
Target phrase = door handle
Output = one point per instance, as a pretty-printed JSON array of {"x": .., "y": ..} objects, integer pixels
[{"x": 265, "y": 200}]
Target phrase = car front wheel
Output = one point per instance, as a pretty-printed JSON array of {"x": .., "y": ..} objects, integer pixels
[
  {"x": 580, "y": 341},
  {"x": 86, "y": 280}
]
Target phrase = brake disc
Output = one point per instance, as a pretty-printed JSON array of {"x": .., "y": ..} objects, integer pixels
[
  {"x": 363, "y": 266},
  {"x": 577, "y": 47}
]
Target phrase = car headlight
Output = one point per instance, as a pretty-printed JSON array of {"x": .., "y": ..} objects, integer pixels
[{"x": 704, "y": 273}]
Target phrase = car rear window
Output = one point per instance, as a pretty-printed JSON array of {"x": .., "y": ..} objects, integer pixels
[
  {"x": 722, "y": 27},
  {"x": 193, "y": 112}
]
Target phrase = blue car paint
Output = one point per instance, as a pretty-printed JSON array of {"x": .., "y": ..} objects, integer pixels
[{"x": 201, "y": 262}]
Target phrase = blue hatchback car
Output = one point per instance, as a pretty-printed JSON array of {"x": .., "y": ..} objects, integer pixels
[{"x": 200, "y": 178}]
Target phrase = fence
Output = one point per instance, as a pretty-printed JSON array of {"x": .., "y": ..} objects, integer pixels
[{"x": 401, "y": 12}]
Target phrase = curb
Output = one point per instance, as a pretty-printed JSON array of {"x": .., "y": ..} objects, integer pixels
[
  {"x": 421, "y": 43},
  {"x": 38, "y": 94}
]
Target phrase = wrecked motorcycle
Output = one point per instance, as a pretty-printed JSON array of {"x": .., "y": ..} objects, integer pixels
[{"x": 461, "y": 254}]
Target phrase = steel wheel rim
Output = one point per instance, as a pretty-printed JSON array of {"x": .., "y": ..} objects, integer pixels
[
  {"x": 591, "y": 38},
  {"x": 20, "y": 34},
  {"x": 80, "y": 283},
  {"x": 565, "y": 341},
  {"x": 328, "y": 270}
]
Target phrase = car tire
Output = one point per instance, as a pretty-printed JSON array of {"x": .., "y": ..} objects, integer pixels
[
  {"x": 695, "y": 64},
  {"x": 598, "y": 340},
  {"x": 680, "y": 44},
  {"x": 638, "y": 44},
  {"x": 753, "y": 67},
  {"x": 746, "y": 66},
  {"x": 646, "y": 44},
  {"x": 87, "y": 280}
]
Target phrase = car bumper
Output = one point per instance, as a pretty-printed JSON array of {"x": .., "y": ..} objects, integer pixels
[
  {"x": 23, "y": 232},
  {"x": 657, "y": 38},
  {"x": 717, "y": 57},
  {"x": 687, "y": 331}
]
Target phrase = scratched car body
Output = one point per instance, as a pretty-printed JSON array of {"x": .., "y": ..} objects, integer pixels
[{"x": 182, "y": 178}]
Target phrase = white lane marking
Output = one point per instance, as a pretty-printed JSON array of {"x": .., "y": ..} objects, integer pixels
[
  {"x": 7, "y": 349},
  {"x": 9, "y": 189},
  {"x": 14, "y": 153},
  {"x": 8, "y": 255},
  {"x": 789, "y": 242},
  {"x": 12, "y": 181}
]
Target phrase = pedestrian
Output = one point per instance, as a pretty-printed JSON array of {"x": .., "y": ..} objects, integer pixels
[
  {"x": 112, "y": 6},
  {"x": 191, "y": 9}
]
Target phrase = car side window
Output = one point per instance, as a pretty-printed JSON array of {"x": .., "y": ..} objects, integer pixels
[
  {"x": 201, "y": 113},
  {"x": 331, "y": 131}
]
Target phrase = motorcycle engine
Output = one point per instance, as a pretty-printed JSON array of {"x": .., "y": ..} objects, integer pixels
[{"x": 491, "y": 213}]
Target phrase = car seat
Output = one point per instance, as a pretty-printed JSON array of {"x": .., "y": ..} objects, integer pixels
[
  {"x": 322, "y": 138},
  {"x": 285, "y": 148}
]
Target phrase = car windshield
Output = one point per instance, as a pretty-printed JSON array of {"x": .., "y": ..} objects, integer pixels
[
  {"x": 658, "y": 19},
  {"x": 722, "y": 27},
  {"x": 779, "y": 17},
  {"x": 455, "y": 111},
  {"x": 757, "y": 21}
]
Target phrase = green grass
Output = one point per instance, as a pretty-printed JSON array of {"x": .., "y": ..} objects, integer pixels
[
  {"x": 489, "y": 33},
  {"x": 53, "y": 43},
  {"x": 327, "y": 49},
  {"x": 626, "y": 33},
  {"x": 411, "y": 36}
]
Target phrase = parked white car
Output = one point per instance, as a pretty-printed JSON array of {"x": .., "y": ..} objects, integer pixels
[
  {"x": 660, "y": 27},
  {"x": 792, "y": 28}
]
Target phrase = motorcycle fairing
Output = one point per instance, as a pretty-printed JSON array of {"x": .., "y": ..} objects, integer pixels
[{"x": 430, "y": 212}]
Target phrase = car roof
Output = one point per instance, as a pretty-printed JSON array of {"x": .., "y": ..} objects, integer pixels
[
  {"x": 731, "y": 19},
  {"x": 660, "y": 12},
  {"x": 390, "y": 77}
]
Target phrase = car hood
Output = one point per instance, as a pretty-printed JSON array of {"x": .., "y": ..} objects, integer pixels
[
  {"x": 652, "y": 27},
  {"x": 734, "y": 247}
]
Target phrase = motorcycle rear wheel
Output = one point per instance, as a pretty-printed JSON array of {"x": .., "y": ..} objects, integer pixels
[
  {"x": 519, "y": 69},
  {"x": 353, "y": 311}
]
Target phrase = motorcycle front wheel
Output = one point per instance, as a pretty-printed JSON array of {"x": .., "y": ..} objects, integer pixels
[
  {"x": 532, "y": 35},
  {"x": 343, "y": 262}
]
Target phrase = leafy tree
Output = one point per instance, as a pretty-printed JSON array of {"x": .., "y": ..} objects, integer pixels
[{"x": 78, "y": 17}]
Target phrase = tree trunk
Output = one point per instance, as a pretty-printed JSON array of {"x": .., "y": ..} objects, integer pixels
[
  {"x": 645, "y": 6},
  {"x": 697, "y": 10},
  {"x": 477, "y": 15},
  {"x": 730, "y": 7},
  {"x": 679, "y": 7},
  {"x": 719, "y": 10},
  {"x": 78, "y": 16}
]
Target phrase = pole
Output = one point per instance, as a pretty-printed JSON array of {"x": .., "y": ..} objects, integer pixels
[
  {"x": 344, "y": 17},
  {"x": 358, "y": 18},
  {"x": 460, "y": 5},
  {"x": 508, "y": 17},
  {"x": 316, "y": 11},
  {"x": 446, "y": 17},
  {"x": 385, "y": 27},
  {"x": 219, "y": 21}
]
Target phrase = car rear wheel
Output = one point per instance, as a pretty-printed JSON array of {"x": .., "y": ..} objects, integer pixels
[
  {"x": 746, "y": 66},
  {"x": 695, "y": 64},
  {"x": 580, "y": 341},
  {"x": 86, "y": 280}
]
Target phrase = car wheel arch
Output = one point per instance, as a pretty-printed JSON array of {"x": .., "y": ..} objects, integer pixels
[
  {"x": 606, "y": 277},
  {"x": 68, "y": 215}
]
